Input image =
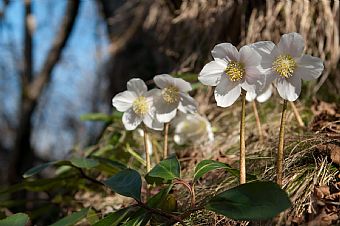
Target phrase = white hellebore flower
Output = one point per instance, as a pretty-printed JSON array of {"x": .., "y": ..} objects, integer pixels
[
  {"x": 137, "y": 104},
  {"x": 286, "y": 64},
  {"x": 230, "y": 71},
  {"x": 172, "y": 96},
  {"x": 262, "y": 96},
  {"x": 192, "y": 128}
]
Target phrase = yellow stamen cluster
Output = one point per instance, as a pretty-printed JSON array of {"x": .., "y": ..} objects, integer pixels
[
  {"x": 235, "y": 71},
  {"x": 170, "y": 94},
  {"x": 140, "y": 106},
  {"x": 284, "y": 65}
]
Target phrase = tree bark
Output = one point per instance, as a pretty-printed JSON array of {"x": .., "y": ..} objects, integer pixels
[{"x": 23, "y": 155}]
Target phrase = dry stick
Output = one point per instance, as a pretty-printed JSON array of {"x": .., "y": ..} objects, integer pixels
[
  {"x": 258, "y": 122},
  {"x": 146, "y": 149},
  {"x": 242, "y": 140},
  {"x": 279, "y": 170},
  {"x": 297, "y": 114},
  {"x": 166, "y": 133}
]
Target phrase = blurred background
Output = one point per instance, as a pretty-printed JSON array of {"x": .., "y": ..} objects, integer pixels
[{"x": 60, "y": 59}]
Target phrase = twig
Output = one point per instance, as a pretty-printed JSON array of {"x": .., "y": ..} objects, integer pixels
[
  {"x": 297, "y": 114},
  {"x": 190, "y": 189},
  {"x": 258, "y": 122},
  {"x": 89, "y": 178}
]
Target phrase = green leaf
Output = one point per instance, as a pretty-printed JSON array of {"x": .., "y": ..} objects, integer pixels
[
  {"x": 37, "y": 169},
  {"x": 18, "y": 219},
  {"x": 84, "y": 162},
  {"x": 114, "y": 219},
  {"x": 96, "y": 117},
  {"x": 139, "y": 220},
  {"x": 72, "y": 219},
  {"x": 92, "y": 217},
  {"x": 165, "y": 171},
  {"x": 127, "y": 182},
  {"x": 206, "y": 166},
  {"x": 157, "y": 199},
  {"x": 251, "y": 201}
]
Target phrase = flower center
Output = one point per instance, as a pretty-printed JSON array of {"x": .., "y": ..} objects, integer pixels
[
  {"x": 140, "y": 106},
  {"x": 235, "y": 71},
  {"x": 170, "y": 94},
  {"x": 284, "y": 65}
]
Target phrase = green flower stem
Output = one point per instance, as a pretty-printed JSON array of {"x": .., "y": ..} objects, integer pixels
[
  {"x": 146, "y": 148},
  {"x": 242, "y": 140},
  {"x": 166, "y": 134},
  {"x": 258, "y": 122},
  {"x": 279, "y": 169}
]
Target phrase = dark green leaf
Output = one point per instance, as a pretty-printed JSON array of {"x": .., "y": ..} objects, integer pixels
[
  {"x": 140, "y": 220},
  {"x": 114, "y": 219},
  {"x": 84, "y": 162},
  {"x": 72, "y": 219},
  {"x": 165, "y": 171},
  {"x": 251, "y": 201},
  {"x": 37, "y": 169},
  {"x": 206, "y": 166},
  {"x": 127, "y": 182},
  {"x": 157, "y": 199},
  {"x": 19, "y": 219}
]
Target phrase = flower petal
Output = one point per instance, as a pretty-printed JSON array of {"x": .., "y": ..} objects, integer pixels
[
  {"x": 137, "y": 85},
  {"x": 163, "y": 80},
  {"x": 225, "y": 51},
  {"x": 289, "y": 89},
  {"x": 250, "y": 96},
  {"x": 263, "y": 97},
  {"x": 123, "y": 101},
  {"x": 292, "y": 44},
  {"x": 131, "y": 120},
  {"x": 309, "y": 67},
  {"x": 249, "y": 57},
  {"x": 164, "y": 111},
  {"x": 211, "y": 73},
  {"x": 187, "y": 104},
  {"x": 151, "y": 121},
  {"x": 182, "y": 85},
  {"x": 227, "y": 92},
  {"x": 265, "y": 49}
]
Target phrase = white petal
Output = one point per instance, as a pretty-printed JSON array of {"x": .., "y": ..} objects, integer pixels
[
  {"x": 163, "y": 80},
  {"x": 211, "y": 73},
  {"x": 266, "y": 50},
  {"x": 166, "y": 116},
  {"x": 250, "y": 96},
  {"x": 249, "y": 57},
  {"x": 131, "y": 120},
  {"x": 266, "y": 95},
  {"x": 182, "y": 85},
  {"x": 289, "y": 89},
  {"x": 123, "y": 101},
  {"x": 309, "y": 67},
  {"x": 225, "y": 51},
  {"x": 187, "y": 104},
  {"x": 151, "y": 121},
  {"x": 137, "y": 85},
  {"x": 254, "y": 76},
  {"x": 164, "y": 111},
  {"x": 292, "y": 44},
  {"x": 227, "y": 92}
]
